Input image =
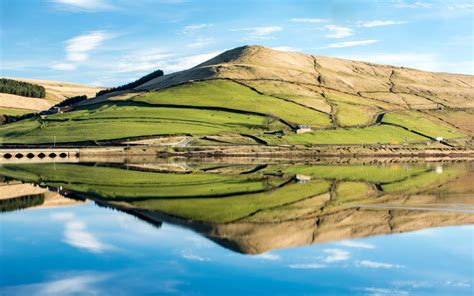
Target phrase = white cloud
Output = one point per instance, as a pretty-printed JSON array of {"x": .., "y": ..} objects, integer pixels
[
  {"x": 200, "y": 43},
  {"x": 308, "y": 20},
  {"x": 193, "y": 257},
  {"x": 460, "y": 6},
  {"x": 336, "y": 255},
  {"x": 63, "y": 67},
  {"x": 338, "y": 31},
  {"x": 373, "y": 264},
  {"x": 184, "y": 63},
  {"x": 78, "y": 48},
  {"x": 307, "y": 266},
  {"x": 142, "y": 61},
  {"x": 458, "y": 284},
  {"x": 262, "y": 33},
  {"x": 355, "y": 244},
  {"x": 424, "y": 61},
  {"x": 83, "y": 5},
  {"x": 351, "y": 43},
  {"x": 267, "y": 256},
  {"x": 370, "y": 24},
  {"x": 196, "y": 27},
  {"x": 285, "y": 48},
  {"x": 411, "y": 4}
]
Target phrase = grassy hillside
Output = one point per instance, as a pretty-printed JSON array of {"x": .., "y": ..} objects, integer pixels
[{"x": 266, "y": 94}]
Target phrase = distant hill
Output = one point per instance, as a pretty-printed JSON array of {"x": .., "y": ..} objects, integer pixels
[
  {"x": 256, "y": 95},
  {"x": 55, "y": 92}
]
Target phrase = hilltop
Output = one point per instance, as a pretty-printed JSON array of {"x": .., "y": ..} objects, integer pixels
[{"x": 254, "y": 95}]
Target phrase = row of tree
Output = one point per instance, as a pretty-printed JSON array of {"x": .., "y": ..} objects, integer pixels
[
  {"x": 22, "y": 202},
  {"x": 132, "y": 85},
  {"x": 21, "y": 88},
  {"x": 71, "y": 101}
]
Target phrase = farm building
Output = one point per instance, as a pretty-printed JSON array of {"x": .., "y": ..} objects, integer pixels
[{"x": 303, "y": 128}]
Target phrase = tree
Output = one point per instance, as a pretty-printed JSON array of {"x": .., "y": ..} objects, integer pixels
[
  {"x": 20, "y": 88},
  {"x": 133, "y": 84}
]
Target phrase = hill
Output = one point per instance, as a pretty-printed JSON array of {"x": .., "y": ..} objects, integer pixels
[
  {"x": 55, "y": 92},
  {"x": 256, "y": 95}
]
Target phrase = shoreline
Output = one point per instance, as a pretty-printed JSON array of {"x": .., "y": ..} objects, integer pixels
[{"x": 339, "y": 153}]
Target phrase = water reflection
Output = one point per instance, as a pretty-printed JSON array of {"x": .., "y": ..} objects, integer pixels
[
  {"x": 159, "y": 228},
  {"x": 255, "y": 208}
]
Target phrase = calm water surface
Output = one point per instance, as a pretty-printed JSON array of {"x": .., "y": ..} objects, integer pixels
[{"x": 218, "y": 229}]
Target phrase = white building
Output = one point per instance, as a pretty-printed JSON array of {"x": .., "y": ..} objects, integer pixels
[{"x": 303, "y": 128}]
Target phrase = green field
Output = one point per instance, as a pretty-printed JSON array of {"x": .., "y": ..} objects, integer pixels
[
  {"x": 227, "y": 94},
  {"x": 229, "y": 109},
  {"x": 381, "y": 134},
  {"x": 15, "y": 111},
  {"x": 417, "y": 121},
  {"x": 350, "y": 114},
  {"x": 122, "y": 120}
]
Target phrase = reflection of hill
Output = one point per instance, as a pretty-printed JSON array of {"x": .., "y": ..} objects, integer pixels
[
  {"x": 308, "y": 223},
  {"x": 16, "y": 196},
  {"x": 275, "y": 206}
]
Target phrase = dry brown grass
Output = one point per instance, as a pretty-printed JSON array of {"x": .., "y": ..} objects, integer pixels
[
  {"x": 14, "y": 101},
  {"x": 56, "y": 91}
]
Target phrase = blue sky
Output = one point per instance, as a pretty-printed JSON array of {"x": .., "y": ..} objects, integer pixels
[{"x": 106, "y": 42}]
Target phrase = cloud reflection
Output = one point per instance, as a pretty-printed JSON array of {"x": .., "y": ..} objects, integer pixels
[
  {"x": 336, "y": 255},
  {"x": 193, "y": 257},
  {"x": 373, "y": 264},
  {"x": 77, "y": 235},
  {"x": 267, "y": 256},
  {"x": 83, "y": 284},
  {"x": 356, "y": 244}
]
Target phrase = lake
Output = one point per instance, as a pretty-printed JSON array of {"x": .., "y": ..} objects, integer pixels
[{"x": 242, "y": 227}]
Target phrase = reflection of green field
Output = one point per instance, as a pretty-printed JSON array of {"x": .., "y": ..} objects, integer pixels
[
  {"x": 229, "y": 196},
  {"x": 425, "y": 180},
  {"x": 352, "y": 191},
  {"x": 377, "y": 174},
  {"x": 108, "y": 182},
  {"x": 232, "y": 208}
]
